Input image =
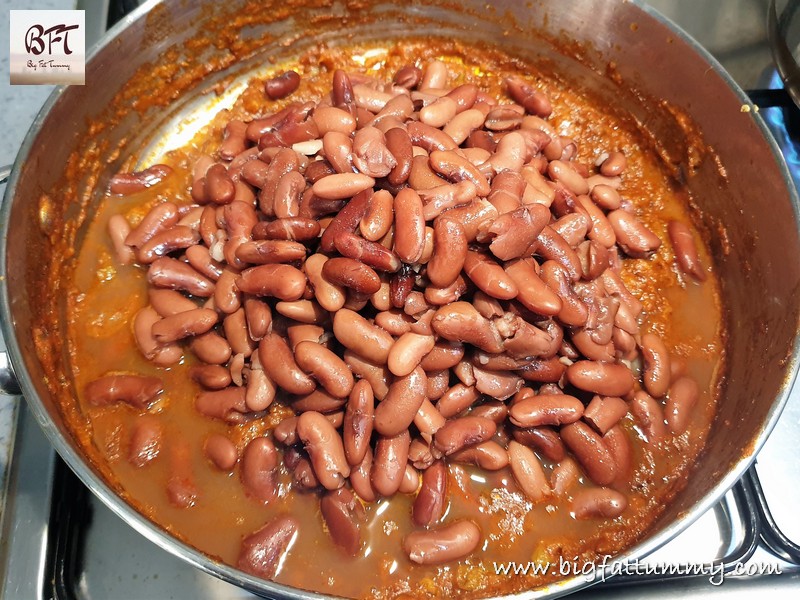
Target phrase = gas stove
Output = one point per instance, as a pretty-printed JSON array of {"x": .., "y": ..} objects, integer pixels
[{"x": 58, "y": 541}]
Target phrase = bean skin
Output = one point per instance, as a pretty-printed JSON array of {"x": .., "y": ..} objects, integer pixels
[
  {"x": 259, "y": 469},
  {"x": 135, "y": 390},
  {"x": 487, "y": 455},
  {"x": 407, "y": 352},
  {"x": 358, "y": 422},
  {"x": 227, "y": 404},
  {"x": 598, "y": 503},
  {"x": 343, "y": 514},
  {"x": 431, "y": 502},
  {"x": 362, "y": 337},
  {"x": 461, "y": 322},
  {"x": 324, "y": 447},
  {"x": 279, "y": 363},
  {"x": 125, "y": 184},
  {"x": 464, "y": 431},
  {"x": 173, "y": 274},
  {"x": 184, "y": 324},
  {"x": 409, "y": 241},
  {"x": 145, "y": 441},
  {"x": 282, "y": 85},
  {"x": 449, "y": 252},
  {"x": 262, "y": 551},
  {"x": 656, "y": 358},
  {"x": 605, "y": 379},
  {"x": 590, "y": 451},
  {"x": 396, "y": 412},
  {"x": 342, "y": 185},
  {"x": 546, "y": 410},
  {"x": 533, "y": 293},
  {"x": 211, "y": 377},
  {"x": 528, "y": 472},
  {"x": 633, "y": 236},
  {"x": 443, "y": 544},
  {"x": 353, "y": 274},
  {"x": 545, "y": 440},
  {"x": 685, "y": 250},
  {"x": 326, "y": 367},
  {"x": 683, "y": 395},
  {"x": 221, "y": 451},
  {"x": 389, "y": 463},
  {"x": 603, "y": 412},
  {"x": 360, "y": 478},
  {"x": 284, "y": 282},
  {"x": 649, "y": 416}
]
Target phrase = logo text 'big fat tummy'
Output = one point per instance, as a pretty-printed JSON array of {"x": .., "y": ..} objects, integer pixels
[{"x": 47, "y": 47}]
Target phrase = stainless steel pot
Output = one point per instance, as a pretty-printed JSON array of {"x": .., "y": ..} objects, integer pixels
[{"x": 628, "y": 54}]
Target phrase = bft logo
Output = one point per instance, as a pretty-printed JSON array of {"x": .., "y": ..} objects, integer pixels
[
  {"x": 58, "y": 34},
  {"x": 47, "y": 47}
]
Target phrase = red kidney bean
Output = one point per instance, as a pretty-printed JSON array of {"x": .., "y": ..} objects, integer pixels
[
  {"x": 145, "y": 441},
  {"x": 394, "y": 321},
  {"x": 371, "y": 254},
  {"x": 460, "y": 322},
  {"x": 360, "y": 478},
  {"x": 600, "y": 378},
  {"x": 234, "y": 141},
  {"x": 281, "y": 85},
  {"x": 454, "y": 167},
  {"x": 299, "y": 466},
  {"x": 200, "y": 260},
  {"x": 544, "y": 440},
  {"x": 488, "y": 455},
  {"x": 554, "y": 247},
  {"x": 407, "y": 352},
  {"x": 343, "y": 514},
  {"x": 497, "y": 384},
  {"x": 457, "y": 399},
  {"x": 326, "y": 367},
  {"x": 489, "y": 276},
  {"x": 259, "y": 470},
  {"x": 546, "y": 410},
  {"x": 184, "y": 324},
  {"x": 598, "y": 503},
  {"x": 565, "y": 475},
  {"x": 656, "y": 376},
  {"x": 378, "y": 376},
  {"x": 118, "y": 231},
  {"x": 358, "y": 422},
  {"x": 262, "y": 551},
  {"x": 342, "y": 185},
  {"x": 431, "y": 502},
  {"x": 221, "y": 452},
  {"x": 325, "y": 449},
  {"x": 125, "y": 184},
  {"x": 533, "y": 293},
  {"x": 633, "y": 236},
  {"x": 219, "y": 187},
  {"x": 351, "y": 273},
  {"x": 682, "y": 240},
  {"x": 176, "y": 275},
  {"x": 278, "y": 361},
  {"x": 211, "y": 348},
  {"x": 438, "y": 384},
  {"x": 151, "y": 349},
  {"x": 259, "y": 318},
  {"x": 591, "y": 453},
  {"x": 464, "y": 431},
  {"x": 683, "y": 395},
  {"x": 227, "y": 404},
  {"x": 443, "y": 544},
  {"x": 528, "y": 472},
  {"x": 284, "y": 282},
  {"x": 389, "y": 463},
  {"x": 260, "y": 391},
  {"x": 603, "y": 412},
  {"x": 137, "y": 390},
  {"x": 211, "y": 377},
  {"x": 428, "y": 419},
  {"x": 181, "y": 487},
  {"x": 574, "y": 310},
  {"x": 409, "y": 240},
  {"x": 649, "y": 417},
  {"x": 614, "y": 164},
  {"x": 444, "y": 355},
  {"x": 397, "y": 410},
  {"x": 407, "y": 77},
  {"x": 532, "y": 100},
  {"x": 304, "y": 332},
  {"x": 169, "y": 302},
  {"x": 161, "y": 217},
  {"x": 362, "y": 337}
]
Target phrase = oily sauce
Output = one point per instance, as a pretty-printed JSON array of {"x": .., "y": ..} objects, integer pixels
[{"x": 105, "y": 296}]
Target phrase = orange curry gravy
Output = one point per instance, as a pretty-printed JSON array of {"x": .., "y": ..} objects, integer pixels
[{"x": 105, "y": 297}]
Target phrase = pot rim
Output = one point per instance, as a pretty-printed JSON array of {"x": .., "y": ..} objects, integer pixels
[{"x": 171, "y": 544}]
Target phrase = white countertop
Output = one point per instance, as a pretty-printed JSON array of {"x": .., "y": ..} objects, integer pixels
[{"x": 733, "y": 30}]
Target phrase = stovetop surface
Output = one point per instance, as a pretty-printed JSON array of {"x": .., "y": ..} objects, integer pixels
[{"x": 60, "y": 542}]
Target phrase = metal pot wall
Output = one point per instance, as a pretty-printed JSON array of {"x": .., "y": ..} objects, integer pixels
[{"x": 747, "y": 202}]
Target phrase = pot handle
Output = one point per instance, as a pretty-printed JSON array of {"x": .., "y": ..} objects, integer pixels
[{"x": 8, "y": 380}]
